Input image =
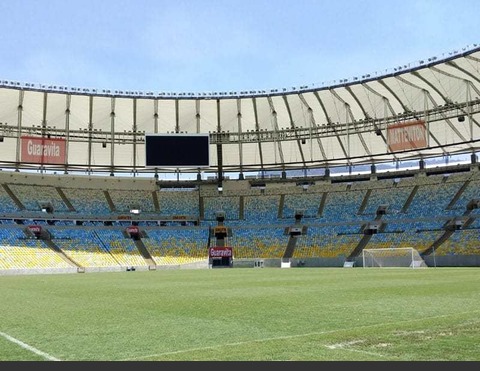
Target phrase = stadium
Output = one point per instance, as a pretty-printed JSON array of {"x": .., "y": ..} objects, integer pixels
[{"x": 378, "y": 170}]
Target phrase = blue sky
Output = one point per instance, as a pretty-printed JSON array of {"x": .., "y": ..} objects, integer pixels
[{"x": 215, "y": 45}]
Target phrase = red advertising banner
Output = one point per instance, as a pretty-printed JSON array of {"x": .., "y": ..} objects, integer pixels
[
  {"x": 132, "y": 230},
  {"x": 35, "y": 228},
  {"x": 43, "y": 150},
  {"x": 220, "y": 252},
  {"x": 407, "y": 135}
]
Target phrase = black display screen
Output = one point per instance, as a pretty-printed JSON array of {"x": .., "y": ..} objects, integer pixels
[{"x": 177, "y": 150}]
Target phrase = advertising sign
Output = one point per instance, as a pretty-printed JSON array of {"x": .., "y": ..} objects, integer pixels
[
  {"x": 220, "y": 252},
  {"x": 42, "y": 150},
  {"x": 407, "y": 135}
]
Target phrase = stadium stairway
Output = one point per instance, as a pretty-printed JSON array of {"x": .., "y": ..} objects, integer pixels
[
  {"x": 64, "y": 198},
  {"x": 457, "y": 195},
  {"x": 358, "y": 249},
  {"x": 13, "y": 197},
  {"x": 201, "y": 207},
  {"x": 450, "y": 227},
  {"x": 365, "y": 239},
  {"x": 109, "y": 201},
  {"x": 145, "y": 254},
  {"x": 364, "y": 202},
  {"x": 321, "y": 207},
  {"x": 292, "y": 242},
  {"x": 241, "y": 209},
  {"x": 444, "y": 237},
  {"x": 156, "y": 204},
  {"x": 468, "y": 221},
  {"x": 409, "y": 199},
  {"x": 60, "y": 252},
  {"x": 280, "y": 206}
]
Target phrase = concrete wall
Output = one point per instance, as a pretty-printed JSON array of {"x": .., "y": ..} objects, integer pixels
[
  {"x": 78, "y": 181},
  {"x": 439, "y": 261}
]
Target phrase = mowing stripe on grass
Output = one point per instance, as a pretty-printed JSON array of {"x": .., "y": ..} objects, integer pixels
[
  {"x": 285, "y": 337},
  {"x": 29, "y": 347}
]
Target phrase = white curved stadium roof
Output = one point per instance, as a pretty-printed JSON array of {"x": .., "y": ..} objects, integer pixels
[{"x": 350, "y": 123}]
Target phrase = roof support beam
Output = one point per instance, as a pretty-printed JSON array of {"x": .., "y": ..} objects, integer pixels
[
  {"x": 311, "y": 121},
  {"x": 469, "y": 85},
  {"x": 219, "y": 149},
  {"x": 68, "y": 103},
  {"x": 349, "y": 115},
  {"x": 329, "y": 123},
  {"x": 447, "y": 120},
  {"x": 257, "y": 129},
  {"x": 277, "y": 143},
  {"x": 112, "y": 135},
  {"x": 90, "y": 128},
  {"x": 405, "y": 108},
  {"x": 365, "y": 113},
  {"x": 134, "y": 129},
  {"x": 240, "y": 141},
  {"x": 21, "y": 96},
  {"x": 292, "y": 124}
]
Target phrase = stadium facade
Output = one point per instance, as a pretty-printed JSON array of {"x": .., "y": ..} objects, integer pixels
[
  {"x": 350, "y": 122},
  {"x": 418, "y": 112}
]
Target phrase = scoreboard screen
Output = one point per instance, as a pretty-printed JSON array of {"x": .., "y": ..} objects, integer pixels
[{"x": 177, "y": 150}]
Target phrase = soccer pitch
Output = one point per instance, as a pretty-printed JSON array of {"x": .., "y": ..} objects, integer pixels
[{"x": 270, "y": 314}]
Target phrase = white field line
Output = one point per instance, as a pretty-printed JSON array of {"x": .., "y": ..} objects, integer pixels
[
  {"x": 297, "y": 336},
  {"x": 29, "y": 347},
  {"x": 286, "y": 337},
  {"x": 362, "y": 351},
  {"x": 230, "y": 345},
  {"x": 345, "y": 346}
]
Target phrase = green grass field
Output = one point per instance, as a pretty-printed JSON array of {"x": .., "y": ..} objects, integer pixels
[{"x": 270, "y": 314}]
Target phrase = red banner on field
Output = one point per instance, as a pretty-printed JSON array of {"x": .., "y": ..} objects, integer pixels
[
  {"x": 43, "y": 150},
  {"x": 407, "y": 135},
  {"x": 220, "y": 252}
]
